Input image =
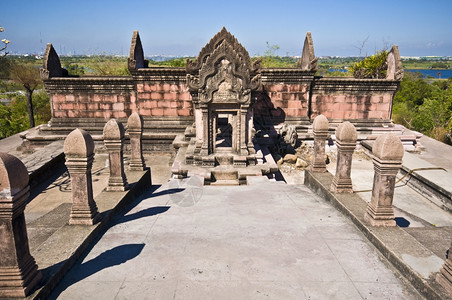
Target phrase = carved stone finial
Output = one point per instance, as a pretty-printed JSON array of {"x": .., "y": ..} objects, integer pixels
[
  {"x": 135, "y": 122},
  {"x": 320, "y": 124},
  {"x": 308, "y": 61},
  {"x": 113, "y": 130},
  {"x": 135, "y": 126},
  {"x": 395, "y": 68},
  {"x": 79, "y": 151},
  {"x": 114, "y": 142},
  {"x": 52, "y": 65},
  {"x": 387, "y": 160},
  {"x": 18, "y": 270},
  {"x": 79, "y": 143},
  {"x": 136, "y": 57},
  {"x": 346, "y": 132},
  {"x": 346, "y": 136},
  {"x": 320, "y": 129},
  {"x": 388, "y": 147}
]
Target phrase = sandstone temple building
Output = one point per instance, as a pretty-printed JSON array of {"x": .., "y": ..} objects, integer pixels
[{"x": 220, "y": 90}]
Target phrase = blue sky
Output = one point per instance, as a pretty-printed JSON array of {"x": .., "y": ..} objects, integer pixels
[{"x": 183, "y": 27}]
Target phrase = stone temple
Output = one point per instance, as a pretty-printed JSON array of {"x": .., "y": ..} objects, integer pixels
[
  {"x": 221, "y": 110},
  {"x": 232, "y": 209}
]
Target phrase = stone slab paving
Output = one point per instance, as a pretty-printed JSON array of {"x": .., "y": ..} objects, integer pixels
[{"x": 267, "y": 240}]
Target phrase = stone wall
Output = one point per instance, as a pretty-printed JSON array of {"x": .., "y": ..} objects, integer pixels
[
  {"x": 162, "y": 92},
  {"x": 161, "y": 95},
  {"x": 360, "y": 101}
]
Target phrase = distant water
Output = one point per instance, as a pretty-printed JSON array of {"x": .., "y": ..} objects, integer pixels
[{"x": 443, "y": 74}]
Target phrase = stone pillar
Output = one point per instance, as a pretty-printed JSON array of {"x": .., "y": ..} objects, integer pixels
[
  {"x": 444, "y": 277},
  {"x": 388, "y": 152},
  {"x": 135, "y": 126},
  {"x": 320, "y": 128},
  {"x": 18, "y": 270},
  {"x": 114, "y": 142},
  {"x": 346, "y": 136},
  {"x": 79, "y": 151},
  {"x": 205, "y": 135},
  {"x": 250, "y": 128},
  {"x": 242, "y": 133}
]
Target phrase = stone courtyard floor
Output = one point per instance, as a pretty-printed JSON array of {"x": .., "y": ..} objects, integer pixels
[{"x": 266, "y": 240}]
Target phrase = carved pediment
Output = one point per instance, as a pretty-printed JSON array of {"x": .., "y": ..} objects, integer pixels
[{"x": 223, "y": 72}]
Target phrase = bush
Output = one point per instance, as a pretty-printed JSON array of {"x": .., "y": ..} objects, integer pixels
[{"x": 373, "y": 66}]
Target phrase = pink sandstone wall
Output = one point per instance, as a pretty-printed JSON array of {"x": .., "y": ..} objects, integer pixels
[
  {"x": 163, "y": 99},
  {"x": 292, "y": 98},
  {"x": 332, "y": 106},
  {"x": 165, "y": 95},
  {"x": 88, "y": 105}
]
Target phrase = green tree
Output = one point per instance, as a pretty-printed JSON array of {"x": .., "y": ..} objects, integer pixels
[
  {"x": 13, "y": 116},
  {"x": 28, "y": 77},
  {"x": 425, "y": 107}
]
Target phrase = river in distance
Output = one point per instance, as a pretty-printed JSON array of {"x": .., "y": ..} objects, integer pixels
[{"x": 426, "y": 73}]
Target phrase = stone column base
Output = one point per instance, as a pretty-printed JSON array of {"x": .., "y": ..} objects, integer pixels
[
  {"x": 117, "y": 184},
  {"x": 380, "y": 216},
  {"x": 341, "y": 186},
  {"x": 19, "y": 282},
  {"x": 84, "y": 215}
]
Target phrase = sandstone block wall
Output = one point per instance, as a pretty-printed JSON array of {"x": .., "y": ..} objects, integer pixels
[
  {"x": 163, "y": 93},
  {"x": 163, "y": 99}
]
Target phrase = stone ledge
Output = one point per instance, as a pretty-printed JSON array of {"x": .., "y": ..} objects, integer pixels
[
  {"x": 433, "y": 184},
  {"x": 56, "y": 256},
  {"x": 394, "y": 243}
]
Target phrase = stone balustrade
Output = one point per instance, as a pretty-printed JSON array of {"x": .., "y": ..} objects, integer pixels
[
  {"x": 79, "y": 151},
  {"x": 346, "y": 137},
  {"x": 387, "y": 160},
  {"x": 114, "y": 142},
  {"x": 18, "y": 269},
  {"x": 320, "y": 129},
  {"x": 135, "y": 128}
]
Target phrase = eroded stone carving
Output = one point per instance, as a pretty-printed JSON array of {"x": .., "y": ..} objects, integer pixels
[
  {"x": 193, "y": 67},
  {"x": 308, "y": 61},
  {"x": 221, "y": 82},
  {"x": 395, "y": 68},
  {"x": 52, "y": 65},
  {"x": 136, "y": 56}
]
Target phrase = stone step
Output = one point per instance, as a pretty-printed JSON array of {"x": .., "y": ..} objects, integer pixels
[
  {"x": 226, "y": 182},
  {"x": 229, "y": 174}
]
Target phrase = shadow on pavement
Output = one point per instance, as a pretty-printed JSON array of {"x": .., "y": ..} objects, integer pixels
[{"x": 109, "y": 258}]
